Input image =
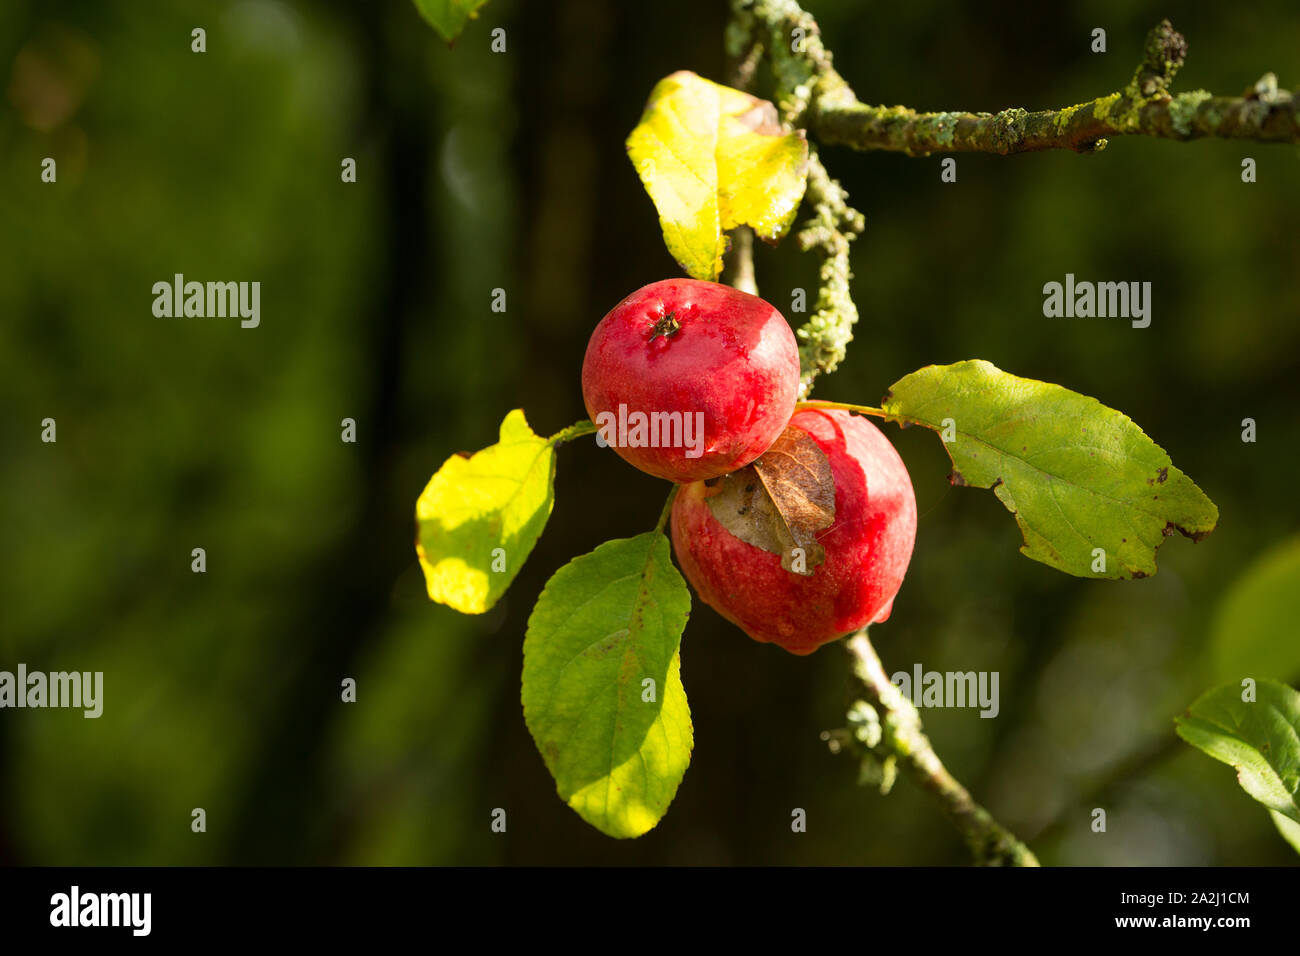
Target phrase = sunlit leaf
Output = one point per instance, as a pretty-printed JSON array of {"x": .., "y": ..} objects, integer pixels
[
  {"x": 602, "y": 689},
  {"x": 713, "y": 158},
  {"x": 480, "y": 516},
  {"x": 1093, "y": 495}
]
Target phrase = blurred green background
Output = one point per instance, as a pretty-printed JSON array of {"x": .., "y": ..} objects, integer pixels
[{"x": 479, "y": 171}]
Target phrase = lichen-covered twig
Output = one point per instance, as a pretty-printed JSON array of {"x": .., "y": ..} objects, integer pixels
[
  {"x": 825, "y": 337},
  {"x": 901, "y": 741},
  {"x": 812, "y": 94}
]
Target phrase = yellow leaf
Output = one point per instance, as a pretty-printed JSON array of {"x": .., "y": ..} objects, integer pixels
[
  {"x": 713, "y": 158},
  {"x": 480, "y": 516}
]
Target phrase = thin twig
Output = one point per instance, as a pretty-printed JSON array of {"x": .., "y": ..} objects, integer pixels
[{"x": 903, "y": 740}]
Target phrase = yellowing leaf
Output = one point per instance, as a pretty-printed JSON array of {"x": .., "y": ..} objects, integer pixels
[
  {"x": 713, "y": 158},
  {"x": 480, "y": 516}
]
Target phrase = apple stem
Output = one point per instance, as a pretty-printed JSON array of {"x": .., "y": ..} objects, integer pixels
[
  {"x": 903, "y": 740},
  {"x": 668, "y": 507},
  {"x": 860, "y": 409},
  {"x": 576, "y": 430},
  {"x": 742, "y": 261}
]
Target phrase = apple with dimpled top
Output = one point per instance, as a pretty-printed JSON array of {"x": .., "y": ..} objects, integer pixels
[{"x": 690, "y": 380}]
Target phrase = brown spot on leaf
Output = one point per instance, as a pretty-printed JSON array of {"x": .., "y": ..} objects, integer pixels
[
  {"x": 957, "y": 479},
  {"x": 1194, "y": 535},
  {"x": 761, "y": 118}
]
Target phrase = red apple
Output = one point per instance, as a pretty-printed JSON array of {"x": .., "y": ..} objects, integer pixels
[
  {"x": 690, "y": 380},
  {"x": 867, "y": 547}
]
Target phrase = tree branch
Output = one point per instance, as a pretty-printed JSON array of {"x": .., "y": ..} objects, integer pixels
[
  {"x": 824, "y": 338},
  {"x": 898, "y": 738},
  {"x": 811, "y": 93}
]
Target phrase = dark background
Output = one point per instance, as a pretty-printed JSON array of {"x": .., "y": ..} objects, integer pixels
[{"x": 479, "y": 171}]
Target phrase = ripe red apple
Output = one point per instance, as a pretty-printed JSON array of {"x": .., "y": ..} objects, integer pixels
[
  {"x": 690, "y": 380},
  {"x": 867, "y": 547}
]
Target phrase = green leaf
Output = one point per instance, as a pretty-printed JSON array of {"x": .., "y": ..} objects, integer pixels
[
  {"x": 607, "y": 623},
  {"x": 448, "y": 17},
  {"x": 713, "y": 158},
  {"x": 480, "y": 516},
  {"x": 1077, "y": 475},
  {"x": 1289, "y": 829},
  {"x": 1254, "y": 632},
  {"x": 1259, "y": 738}
]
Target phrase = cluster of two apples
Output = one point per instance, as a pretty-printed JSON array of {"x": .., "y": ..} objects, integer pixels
[{"x": 687, "y": 351}]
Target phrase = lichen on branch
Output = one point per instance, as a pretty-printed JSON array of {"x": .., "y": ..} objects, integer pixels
[
  {"x": 825, "y": 337},
  {"x": 811, "y": 93},
  {"x": 900, "y": 740}
]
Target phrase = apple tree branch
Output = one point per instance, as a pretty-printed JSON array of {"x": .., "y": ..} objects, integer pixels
[
  {"x": 811, "y": 94},
  {"x": 897, "y": 738}
]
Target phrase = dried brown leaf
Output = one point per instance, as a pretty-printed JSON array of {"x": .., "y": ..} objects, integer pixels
[{"x": 781, "y": 501}]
